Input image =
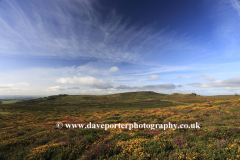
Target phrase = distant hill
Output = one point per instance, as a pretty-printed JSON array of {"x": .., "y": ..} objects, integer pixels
[
  {"x": 127, "y": 98},
  {"x": 141, "y": 92},
  {"x": 94, "y": 99},
  {"x": 8, "y": 97}
]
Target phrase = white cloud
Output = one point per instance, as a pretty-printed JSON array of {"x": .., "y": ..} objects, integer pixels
[
  {"x": 201, "y": 75},
  {"x": 6, "y": 85},
  {"x": 55, "y": 88},
  {"x": 13, "y": 88},
  {"x": 23, "y": 84},
  {"x": 180, "y": 77},
  {"x": 85, "y": 81},
  {"x": 17, "y": 87},
  {"x": 198, "y": 76},
  {"x": 154, "y": 77},
  {"x": 113, "y": 69},
  {"x": 93, "y": 71},
  {"x": 111, "y": 81},
  {"x": 111, "y": 89},
  {"x": 209, "y": 79},
  {"x": 73, "y": 88},
  {"x": 232, "y": 82},
  {"x": 232, "y": 89},
  {"x": 150, "y": 87},
  {"x": 183, "y": 91}
]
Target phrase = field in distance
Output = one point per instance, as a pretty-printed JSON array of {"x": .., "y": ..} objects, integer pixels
[
  {"x": 30, "y": 132},
  {"x": 7, "y": 101}
]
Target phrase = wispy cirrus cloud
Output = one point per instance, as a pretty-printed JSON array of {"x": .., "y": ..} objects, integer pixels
[
  {"x": 226, "y": 16},
  {"x": 164, "y": 69},
  {"x": 78, "y": 29},
  {"x": 71, "y": 29},
  {"x": 236, "y": 5}
]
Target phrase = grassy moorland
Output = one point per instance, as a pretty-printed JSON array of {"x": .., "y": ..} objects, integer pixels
[{"x": 30, "y": 132}]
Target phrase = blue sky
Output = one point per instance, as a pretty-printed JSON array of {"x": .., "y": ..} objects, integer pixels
[{"x": 105, "y": 47}]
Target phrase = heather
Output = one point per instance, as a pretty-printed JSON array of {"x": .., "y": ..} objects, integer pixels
[{"x": 31, "y": 133}]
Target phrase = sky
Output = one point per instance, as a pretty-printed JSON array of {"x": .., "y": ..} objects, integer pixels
[{"x": 99, "y": 47}]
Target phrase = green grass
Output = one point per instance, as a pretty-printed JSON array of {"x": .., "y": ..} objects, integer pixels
[
  {"x": 4, "y": 112},
  {"x": 10, "y": 101}
]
